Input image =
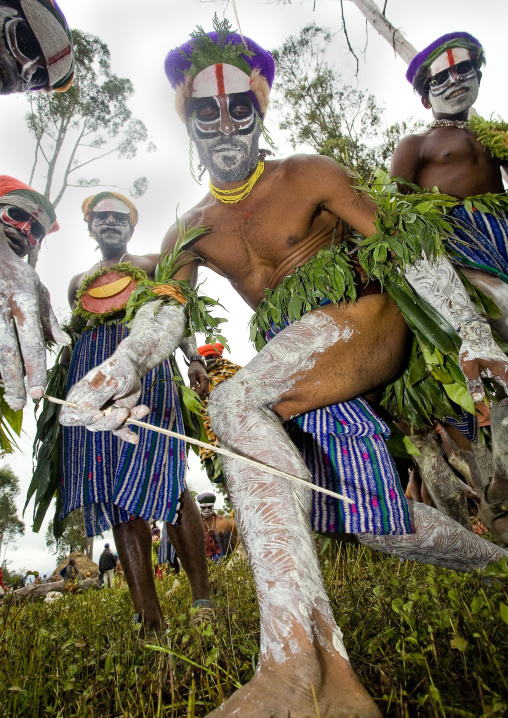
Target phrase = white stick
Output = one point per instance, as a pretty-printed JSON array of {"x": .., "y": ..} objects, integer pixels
[{"x": 218, "y": 450}]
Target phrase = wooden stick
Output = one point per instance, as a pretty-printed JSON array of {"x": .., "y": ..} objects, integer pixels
[{"x": 218, "y": 450}]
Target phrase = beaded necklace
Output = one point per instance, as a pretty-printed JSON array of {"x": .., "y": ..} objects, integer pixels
[
  {"x": 459, "y": 124},
  {"x": 233, "y": 196}
]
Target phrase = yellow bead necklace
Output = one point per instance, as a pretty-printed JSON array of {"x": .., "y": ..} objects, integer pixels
[{"x": 233, "y": 196}]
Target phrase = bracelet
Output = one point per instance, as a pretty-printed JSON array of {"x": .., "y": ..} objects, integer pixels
[{"x": 198, "y": 357}]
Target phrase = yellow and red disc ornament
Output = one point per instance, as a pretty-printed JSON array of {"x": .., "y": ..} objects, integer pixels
[{"x": 107, "y": 291}]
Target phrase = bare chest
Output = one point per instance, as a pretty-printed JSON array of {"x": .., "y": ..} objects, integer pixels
[
  {"x": 249, "y": 241},
  {"x": 456, "y": 162}
]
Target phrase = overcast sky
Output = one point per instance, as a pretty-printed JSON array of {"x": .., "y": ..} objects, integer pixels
[{"x": 139, "y": 35}]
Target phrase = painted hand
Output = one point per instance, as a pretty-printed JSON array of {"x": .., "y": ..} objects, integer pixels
[
  {"x": 480, "y": 356},
  {"x": 198, "y": 379},
  {"x": 26, "y": 321},
  {"x": 106, "y": 398}
]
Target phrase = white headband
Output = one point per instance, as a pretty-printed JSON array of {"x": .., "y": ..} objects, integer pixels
[
  {"x": 220, "y": 79},
  {"x": 449, "y": 58}
]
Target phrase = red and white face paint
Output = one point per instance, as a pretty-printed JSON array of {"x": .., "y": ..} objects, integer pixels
[
  {"x": 24, "y": 222},
  {"x": 449, "y": 58},
  {"x": 220, "y": 79},
  {"x": 453, "y": 84}
]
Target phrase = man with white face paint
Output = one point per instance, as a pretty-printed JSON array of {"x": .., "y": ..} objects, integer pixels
[
  {"x": 464, "y": 159},
  {"x": 263, "y": 226},
  {"x": 26, "y": 217},
  {"x": 36, "y": 53},
  {"x": 118, "y": 485}
]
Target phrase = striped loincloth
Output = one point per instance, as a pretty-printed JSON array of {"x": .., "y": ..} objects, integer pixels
[
  {"x": 344, "y": 448},
  {"x": 480, "y": 240},
  {"x": 112, "y": 479}
]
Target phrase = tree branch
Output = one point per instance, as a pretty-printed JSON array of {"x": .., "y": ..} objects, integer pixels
[
  {"x": 399, "y": 43},
  {"x": 347, "y": 37}
]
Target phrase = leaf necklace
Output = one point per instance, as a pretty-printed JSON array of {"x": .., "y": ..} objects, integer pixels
[{"x": 233, "y": 196}]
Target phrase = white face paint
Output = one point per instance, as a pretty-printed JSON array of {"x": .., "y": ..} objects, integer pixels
[
  {"x": 110, "y": 224},
  {"x": 460, "y": 94},
  {"x": 206, "y": 510},
  {"x": 22, "y": 64},
  {"x": 226, "y": 132}
]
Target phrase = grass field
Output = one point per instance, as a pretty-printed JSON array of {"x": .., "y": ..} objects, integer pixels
[{"x": 425, "y": 642}]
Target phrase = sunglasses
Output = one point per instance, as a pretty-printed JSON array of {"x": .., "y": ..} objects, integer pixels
[
  {"x": 23, "y": 220},
  {"x": 26, "y": 52},
  {"x": 445, "y": 79},
  {"x": 102, "y": 217}
]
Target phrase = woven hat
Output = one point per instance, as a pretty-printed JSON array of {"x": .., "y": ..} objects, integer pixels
[
  {"x": 419, "y": 67},
  {"x": 206, "y": 498},
  {"x": 219, "y": 62},
  {"x": 53, "y": 35},
  {"x": 17, "y": 193}
]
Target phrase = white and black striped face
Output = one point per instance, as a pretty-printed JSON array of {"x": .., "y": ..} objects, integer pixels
[
  {"x": 22, "y": 64},
  {"x": 454, "y": 90},
  {"x": 225, "y": 115},
  {"x": 226, "y": 132},
  {"x": 206, "y": 510}
]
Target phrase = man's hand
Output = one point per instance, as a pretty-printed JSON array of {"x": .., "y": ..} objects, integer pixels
[
  {"x": 26, "y": 320},
  {"x": 198, "y": 379},
  {"x": 480, "y": 356},
  {"x": 106, "y": 398}
]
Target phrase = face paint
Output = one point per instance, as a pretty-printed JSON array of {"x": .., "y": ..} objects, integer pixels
[
  {"x": 226, "y": 132},
  {"x": 206, "y": 510},
  {"x": 456, "y": 92},
  {"x": 22, "y": 64},
  {"x": 111, "y": 229},
  {"x": 22, "y": 229},
  {"x": 444, "y": 80}
]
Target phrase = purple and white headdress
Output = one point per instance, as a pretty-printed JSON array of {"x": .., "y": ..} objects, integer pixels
[
  {"x": 220, "y": 62},
  {"x": 442, "y": 53}
]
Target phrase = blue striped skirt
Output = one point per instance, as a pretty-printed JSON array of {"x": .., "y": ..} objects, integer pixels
[
  {"x": 111, "y": 479},
  {"x": 344, "y": 448},
  {"x": 482, "y": 240}
]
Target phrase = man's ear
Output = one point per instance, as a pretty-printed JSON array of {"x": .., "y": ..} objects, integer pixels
[
  {"x": 426, "y": 103},
  {"x": 479, "y": 73}
]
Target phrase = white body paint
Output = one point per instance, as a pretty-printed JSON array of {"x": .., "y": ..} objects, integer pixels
[
  {"x": 438, "y": 283},
  {"x": 153, "y": 337},
  {"x": 272, "y": 514},
  {"x": 438, "y": 540},
  {"x": 26, "y": 319}
]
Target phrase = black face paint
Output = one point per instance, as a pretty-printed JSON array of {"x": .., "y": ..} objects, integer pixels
[
  {"x": 226, "y": 132},
  {"x": 444, "y": 80},
  {"x": 223, "y": 114},
  {"x": 22, "y": 64}
]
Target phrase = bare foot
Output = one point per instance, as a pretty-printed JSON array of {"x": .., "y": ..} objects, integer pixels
[{"x": 286, "y": 691}]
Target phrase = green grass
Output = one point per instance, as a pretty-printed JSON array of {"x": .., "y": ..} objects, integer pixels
[{"x": 425, "y": 642}]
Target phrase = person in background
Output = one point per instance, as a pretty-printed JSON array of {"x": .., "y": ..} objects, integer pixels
[
  {"x": 107, "y": 563},
  {"x": 220, "y": 532},
  {"x": 218, "y": 369}
]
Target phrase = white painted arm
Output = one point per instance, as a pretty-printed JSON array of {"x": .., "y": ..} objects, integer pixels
[
  {"x": 26, "y": 320},
  {"x": 438, "y": 283},
  {"x": 116, "y": 383}
]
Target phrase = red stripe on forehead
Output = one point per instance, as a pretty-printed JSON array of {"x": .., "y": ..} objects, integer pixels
[
  {"x": 449, "y": 53},
  {"x": 58, "y": 56},
  {"x": 219, "y": 75}
]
